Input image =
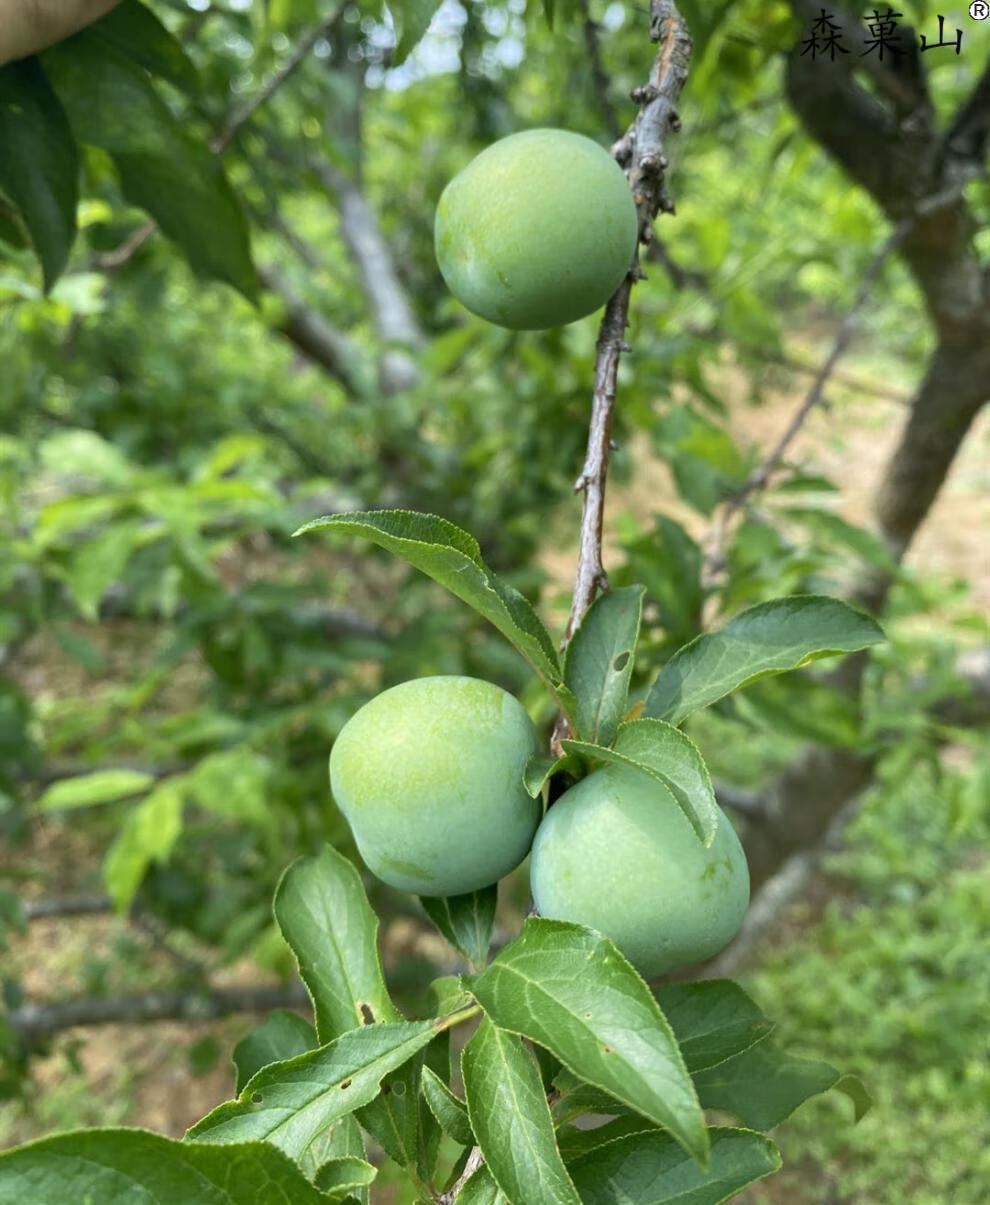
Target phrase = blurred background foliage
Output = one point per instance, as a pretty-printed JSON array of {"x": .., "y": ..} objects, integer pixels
[{"x": 175, "y": 667}]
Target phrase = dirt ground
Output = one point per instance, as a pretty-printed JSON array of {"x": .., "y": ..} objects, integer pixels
[{"x": 144, "y": 1076}]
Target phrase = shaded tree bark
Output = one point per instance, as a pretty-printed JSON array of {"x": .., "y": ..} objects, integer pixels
[{"x": 893, "y": 149}]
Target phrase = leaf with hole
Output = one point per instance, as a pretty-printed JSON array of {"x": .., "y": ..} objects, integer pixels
[
  {"x": 289, "y": 1104},
  {"x": 599, "y": 660}
]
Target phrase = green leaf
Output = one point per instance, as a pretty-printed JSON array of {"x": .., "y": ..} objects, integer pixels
[
  {"x": 541, "y": 767},
  {"x": 451, "y": 1114},
  {"x": 413, "y": 18},
  {"x": 569, "y": 989},
  {"x": 325, "y": 917},
  {"x": 465, "y": 920},
  {"x": 132, "y": 1165},
  {"x": 713, "y": 1020},
  {"x": 99, "y": 562},
  {"x": 282, "y": 1035},
  {"x": 289, "y": 1104},
  {"x": 343, "y": 1173},
  {"x": 101, "y": 786},
  {"x": 650, "y": 1169},
  {"x": 136, "y": 32},
  {"x": 481, "y": 1189},
  {"x": 574, "y": 1142},
  {"x": 599, "y": 662},
  {"x": 764, "y": 1085},
  {"x": 112, "y": 104},
  {"x": 39, "y": 162},
  {"x": 451, "y": 557},
  {"x": 511, "y": 1119},
  {"x": 670, "y": 757},
  {"x": 770, "y": 638},
  {"x": 344, "y": 1137},
  {"x": 149, "y": 833}
]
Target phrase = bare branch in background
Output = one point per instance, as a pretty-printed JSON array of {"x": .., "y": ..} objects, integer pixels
[
  {"x": 641, "y": 153},
  {"x": 34, "y": 1023}
]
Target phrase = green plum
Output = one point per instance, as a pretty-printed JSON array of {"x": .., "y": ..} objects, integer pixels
[
  {"x": 616, "y": 853},
  {"x": 537, "y": 231},
  {"x": 430, "y": 776}
]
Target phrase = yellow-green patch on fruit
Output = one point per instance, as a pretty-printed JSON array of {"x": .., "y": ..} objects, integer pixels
[
  {"x": 537, "y": 231},
  {"x": 430, "y": 776},
  {"x": 616, "y": 853}
]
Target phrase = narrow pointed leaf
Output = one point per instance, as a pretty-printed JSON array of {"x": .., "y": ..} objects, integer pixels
[
  {"x": 481, "y": 1189},
  {"x": 414, "y": 17},
  {"x": 673, "y": 759},
  {"x": 133, "y": 1165},
  {"x": 574, "y": 1142},
  {"x": 451, "y": 1113},
  {"x": 282, "y": 1035},
  {"x": 651, "y": 1169},
  {"x": 452, "y": 557},
  {"x": 764, "y": 1085},
  {"x": 465, "y": 920},
  {"x": 325, "y": 917},
  {"x": 101, "y": 786},
  {"x": 599, "y": 662},
  {"x": 541, "y": 767},
  {"x": 511, "y": 1119},
  {"x": 290, "y": 1104},
  {"x": 770, "y": 638},
  {"x": 713, "y": 1020},
  {"x": 39, "y": 162},
  {"x": 569, "y": 989},
  {"x": 135, "y": 31}
]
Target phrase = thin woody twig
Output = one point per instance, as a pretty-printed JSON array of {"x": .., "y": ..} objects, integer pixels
[
  {"x": 641, "y": 152},
  {"x": 760, "y": 478},
  {"x": 112, "y": 260}
]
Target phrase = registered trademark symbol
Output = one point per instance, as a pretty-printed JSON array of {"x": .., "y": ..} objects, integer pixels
[{"x": 979, "y": 10}]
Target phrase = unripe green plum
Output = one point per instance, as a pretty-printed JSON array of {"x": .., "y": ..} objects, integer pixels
[
  {"x": 537, "y": 231},
  {"x": 616, "y": 853},
  {"x": 430, "y": 776}
]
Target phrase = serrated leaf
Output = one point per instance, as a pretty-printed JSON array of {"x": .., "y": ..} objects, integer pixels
[
  {"x": 574, "y": 1142},
  {"x": 344, "y": 1173},
  {"x": 511, "y": 1119},
  {"x": 342, "y": 1138},
  {"x": 113, "y": 104},
  {"x": 325, "y": 917},
  {"x": 39, "y": 162},
  {"x": 651, "y": 1169},
  {"x": 770, "y": 638},
  {"x": 282, "y": 1035},
  {"x": 135, "y": 31},
  {"x": 451, "y": 1114},
  {"x": 101, "y": 786},
  {"x": 481, "y": 1189},
  {"x": 599, "y": 660},
  {"x": 452, "y": 557},
  {"x": 289, "y": 1104},
  {"x": 413, "y": 18},
  {"x": 764, "y": 1085},
  {"x": 543, "y": 766},
  {"x": 133, "y": 1165},
  {"x": 148, "y": 835},
  {"x": 569, "y": 989},
  {"x": 713, "y": 1020},
  {"x": 671, "y": 758},
  {"x": 465, "y": 920}
]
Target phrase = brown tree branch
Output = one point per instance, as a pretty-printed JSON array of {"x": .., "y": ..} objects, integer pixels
[
  {"x": 641, "y": 152},
  {"x": 35, "y": 1023}
]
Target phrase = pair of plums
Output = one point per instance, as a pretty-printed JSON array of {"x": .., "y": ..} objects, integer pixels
[{"x": 429, "y": 775}]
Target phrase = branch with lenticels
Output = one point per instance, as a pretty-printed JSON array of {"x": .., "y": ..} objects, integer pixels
[{"x": 641, "y": 152}]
